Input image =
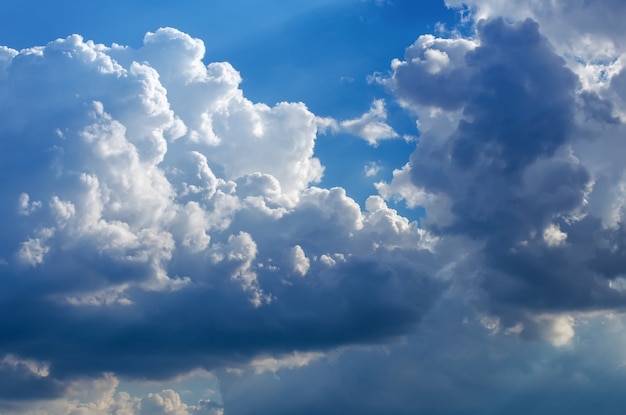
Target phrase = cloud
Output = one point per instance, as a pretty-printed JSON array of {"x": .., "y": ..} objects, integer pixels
[
  {"x": 26, "y": 207},
  {"x": 588, "y": 35},
  {"x": 462, "y": 360},
  {"x": 301, "y": 263},
  {"x": 453, "y": 366},
  {"x": 155, "y": 220},
  {"x": 372, "y": 169},
  {"x": 371, "y": 126},
  {"x": 577, "y": 24},
  {"x": 517, "y": 173}
]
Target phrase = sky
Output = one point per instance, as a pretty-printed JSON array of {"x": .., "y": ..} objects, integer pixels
[{"x": 322, "y": 207}]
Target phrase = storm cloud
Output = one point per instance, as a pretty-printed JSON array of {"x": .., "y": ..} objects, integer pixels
[{"x": 512, "y": 175}]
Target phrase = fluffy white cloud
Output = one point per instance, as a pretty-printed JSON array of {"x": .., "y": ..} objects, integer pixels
[
  {"x": 25, "y": 206},
  {"x": 301, "y": 263},
  {"x": 156, "y": 219},
  {"x": 553, "y": 236},
  {"x": 371, "y": 126}
]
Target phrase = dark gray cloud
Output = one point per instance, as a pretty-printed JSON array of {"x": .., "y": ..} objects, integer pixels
[
  {"x": 213, "y": 325},
  {"x": 19, "y": 383},
  {"x": 514, "y": 182},
  {"x": 451, "y": 366}
]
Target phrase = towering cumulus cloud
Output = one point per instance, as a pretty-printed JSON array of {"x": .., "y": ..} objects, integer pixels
[
  {"x": 526, "y": 169},
  {"x": 157, "y": 222}
]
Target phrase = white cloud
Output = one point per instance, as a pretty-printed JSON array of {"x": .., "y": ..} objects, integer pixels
[
  {"x": 553, "y": 236},
  {"x": 372, "y": 169},
  {"x": 150, "y": 196},
  {"x": 25, "y": 206},
  {"x": 274, "y": 364},
  {"x": 402, "y": 188},
  {"x": 331, "y": 260},
  {"x": 371, "y": 126},
  {"x": 301, "y": 263},
  {"x": 126, "y": 198},
  {"x": 241, "y": 250},
  {"x": 33, "y": 250}
]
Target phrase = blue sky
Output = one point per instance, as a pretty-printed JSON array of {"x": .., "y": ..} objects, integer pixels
[{"x": 323, "y": 207}]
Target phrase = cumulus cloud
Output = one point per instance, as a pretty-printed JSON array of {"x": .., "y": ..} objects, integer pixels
[
  {"x": 158, "y": 221},
  {"x": 25, "y": 206},
  {"x": 301, "y": 263},
  {"x": 585, "y": 27},
  {"x": 371, "y": 126},
  {"x": 518, "y": 168},
  {"x": 588, "y": 35},
  {"x": 156, "y": 218}
]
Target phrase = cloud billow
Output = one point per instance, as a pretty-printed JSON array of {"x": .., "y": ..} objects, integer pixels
[
  {"x": 517, "y": 168},
  {"x": 158, "y": 225},
  {"x": 509, "y": 171},
  {"x": 152, "y": 217}
]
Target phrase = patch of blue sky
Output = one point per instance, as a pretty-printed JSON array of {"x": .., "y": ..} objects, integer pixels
[{"x": 29, "y": 22}]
